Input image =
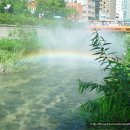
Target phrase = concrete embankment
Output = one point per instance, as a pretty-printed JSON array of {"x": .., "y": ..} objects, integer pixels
[{"x": 5, "y": 29}]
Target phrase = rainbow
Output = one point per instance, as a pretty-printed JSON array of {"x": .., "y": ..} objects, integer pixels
[{"x": 60, "y": 54}]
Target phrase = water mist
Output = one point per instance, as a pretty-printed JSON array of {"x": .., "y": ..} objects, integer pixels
[{"x": 46, "y": 96}]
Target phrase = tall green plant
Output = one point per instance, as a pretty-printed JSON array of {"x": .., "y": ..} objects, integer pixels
[
  {"x": 114, "y": 105},
  {"x": 28, "y": 39},
  {"x": 20, "y": 42}
]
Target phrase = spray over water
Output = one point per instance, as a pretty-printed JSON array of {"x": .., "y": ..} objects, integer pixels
[{"x": 47, "y": 97}]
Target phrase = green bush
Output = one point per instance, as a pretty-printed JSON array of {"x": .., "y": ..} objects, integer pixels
[
  {"x": 114, "y": 105},
  {"x": 7, "y": 57},
  {"x": 27, "y": 39},
  {"x": 21, "y": 41},
  {"x": 11, "y": 45},
  {"x": 20, "y": 19},
  {"x": 10, "y": 50}
]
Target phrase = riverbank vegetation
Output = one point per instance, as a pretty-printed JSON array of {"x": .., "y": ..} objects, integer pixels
[
  {"x": 20, "y": 42},
  {"x": 19, "y": 20},
  {"x": 114, "y": 104}
]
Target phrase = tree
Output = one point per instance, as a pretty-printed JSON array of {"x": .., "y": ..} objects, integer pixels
[
  {"x": 2, "y": 5},
  {"x": 17, "y": 6},
  {"x": 40, "y": 6},
  {"x": 51, "y": 7}
]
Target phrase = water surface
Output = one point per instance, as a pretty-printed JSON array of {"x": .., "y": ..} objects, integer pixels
[{"x": 45, "y": 97}]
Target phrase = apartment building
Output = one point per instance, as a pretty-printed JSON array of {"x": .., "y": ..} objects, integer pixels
[
  {"x": 78, "y": 7},
  {"x": 97, "y": 8},
  {"x": 107, "y": 10},
  {"x": 88, "y": 8},
  {"x": 119, "y": 9},
  {"x": 126, "y": 10}
]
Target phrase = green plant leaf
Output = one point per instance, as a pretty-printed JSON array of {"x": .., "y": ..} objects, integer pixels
[
  {"x": 107, "y": 43},
  {"x": 107, "y": 49}
]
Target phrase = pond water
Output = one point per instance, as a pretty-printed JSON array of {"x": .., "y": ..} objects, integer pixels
[{"x": 46, "y": 96}]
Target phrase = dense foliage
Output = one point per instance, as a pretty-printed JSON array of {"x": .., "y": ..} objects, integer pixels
[
  {"x": 51, "y": 7},
  {"x": 114, "y": 105}
]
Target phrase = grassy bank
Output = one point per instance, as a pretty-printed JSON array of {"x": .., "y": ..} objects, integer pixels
[{"x": 20, "y": 42}]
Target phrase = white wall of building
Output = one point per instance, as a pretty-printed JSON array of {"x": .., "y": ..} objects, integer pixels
[
  {"x": 119, "y": 9},
  {"x": 126, "y": 9}
]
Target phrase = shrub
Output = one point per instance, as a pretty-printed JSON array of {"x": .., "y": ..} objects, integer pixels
[
  {"x": 10, "y": 50},
  {"x": 114, "y": 105},
  {"x": 21, "y": 41},
  {"x": 27, "y": 39}
]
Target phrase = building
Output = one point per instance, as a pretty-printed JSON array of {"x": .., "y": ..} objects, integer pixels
[
  {"x": 88, "y": 8},
  {"x": 78, "y": 7},
  {"x": 126, "y": 10},
  {"x": 112, "y": 10},
  {"x": 97, "y": 8},
  {"x": 83, "y": 3},
  {"x": 107, "y": 10},
  {"x": 119, "y": 10}
]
